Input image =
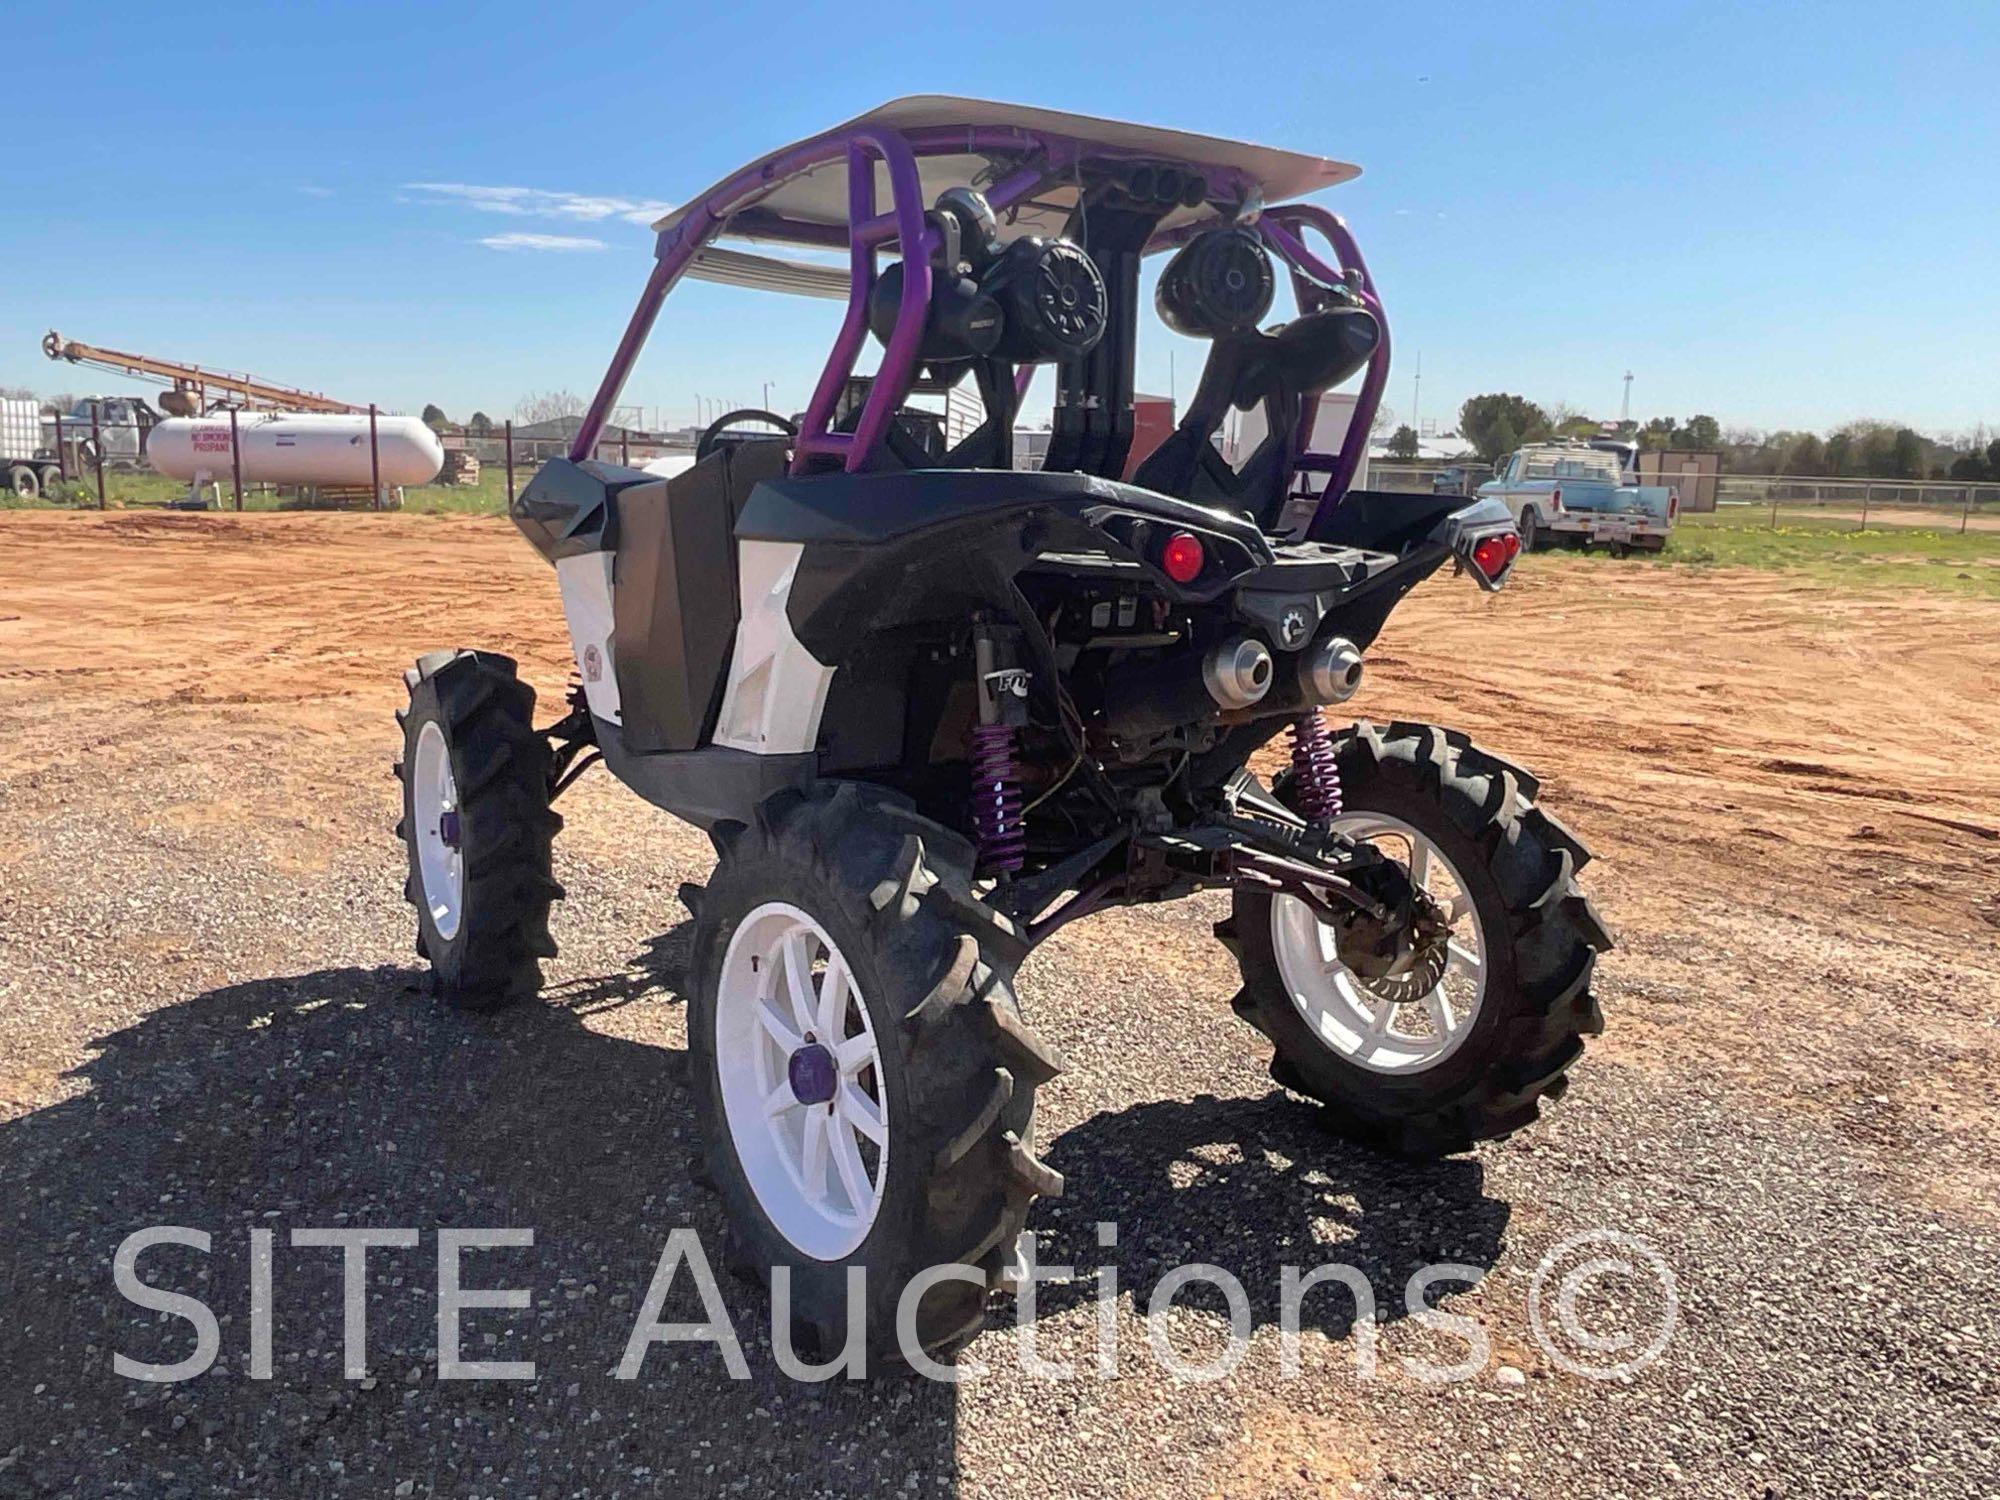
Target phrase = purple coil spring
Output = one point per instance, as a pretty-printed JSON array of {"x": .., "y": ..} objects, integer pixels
[
  {"x": 996, "y": 799},
  {"x": 1315, "y": 773}
]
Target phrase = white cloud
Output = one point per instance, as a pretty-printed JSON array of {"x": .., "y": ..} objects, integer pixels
[
  {"x": 541, "y": 242},
  {"x": 539, "y": 203},
  {"x": 312, "y": 190}
]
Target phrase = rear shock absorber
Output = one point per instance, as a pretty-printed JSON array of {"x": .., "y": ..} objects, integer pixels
[
  {"x": 1315, "y": 772},
  {"x": 997, "y": 827}
]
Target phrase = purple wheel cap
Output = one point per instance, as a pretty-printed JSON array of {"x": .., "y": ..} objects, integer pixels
[{"x": 812, "y": 1074}]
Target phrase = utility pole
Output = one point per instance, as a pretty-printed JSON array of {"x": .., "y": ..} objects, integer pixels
[
  {"x": 1625, "y": 411},
  {"x": 1416, "y": 397},
  {"x": 767, "y": 395}
]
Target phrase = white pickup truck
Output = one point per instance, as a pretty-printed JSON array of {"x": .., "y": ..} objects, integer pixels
[{"x": 1576, "y": 492}]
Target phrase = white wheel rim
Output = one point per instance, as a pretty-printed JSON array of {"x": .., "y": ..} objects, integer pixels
[
  {"x": 434, "y": 805},
  {"x": 817, "y": 1164},
  {"x": 1369, "y": 1032}
]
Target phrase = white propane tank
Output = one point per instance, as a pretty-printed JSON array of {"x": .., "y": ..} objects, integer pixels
[{"x": 296, "y": 448}]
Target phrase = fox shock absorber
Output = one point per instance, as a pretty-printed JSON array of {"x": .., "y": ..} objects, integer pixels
[
  {"x": 1315, "y": 772},
  {"x": 997, "y": 827}
]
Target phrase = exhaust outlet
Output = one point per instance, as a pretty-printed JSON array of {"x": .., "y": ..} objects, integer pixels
[
  {"x": 1237, "y": 673},
  {"x": 1330, "y": 672},
  {"x": 1231, "y": 677}
]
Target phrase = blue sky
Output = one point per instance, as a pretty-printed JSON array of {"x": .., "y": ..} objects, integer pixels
[{"x": 1780, "y": 214}]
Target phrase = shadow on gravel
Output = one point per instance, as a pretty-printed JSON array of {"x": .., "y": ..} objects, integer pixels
[
  {"x": 1254, "y": 1185},
  {"x": 349, "y": 1097},
  {"x": 663, "y": 965}
]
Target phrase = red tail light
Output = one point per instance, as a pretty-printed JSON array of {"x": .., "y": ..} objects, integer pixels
[
  {"x": 1556, "y": 499},
  {"x": 1182, "y": 558},
  {"x": 1492, "y": 554},
  {"x": 1673, "y": 504}
]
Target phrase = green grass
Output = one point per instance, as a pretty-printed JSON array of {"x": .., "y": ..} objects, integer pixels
[
  {"x": 129, "y": 490},
  {"x": 1887, "y": 559}
]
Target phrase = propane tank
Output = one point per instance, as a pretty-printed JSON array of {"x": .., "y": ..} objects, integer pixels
[{"x": 297, "y": 448}]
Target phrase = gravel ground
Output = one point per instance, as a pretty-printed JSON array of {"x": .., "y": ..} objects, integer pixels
[{"x": 210, "y": 1016}]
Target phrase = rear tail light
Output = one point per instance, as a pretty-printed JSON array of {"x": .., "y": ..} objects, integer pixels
[
  {"x": 1556, "y": 500},
  {"x": 1673, "y": 504},
  {"x": 1492, "y": 554},
  {"x": 1182, "y": 558}
]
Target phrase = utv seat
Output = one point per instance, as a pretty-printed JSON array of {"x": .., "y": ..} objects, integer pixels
[
  {"x": 1278, "y": 370},
  {"x": 674, "y": 594}
]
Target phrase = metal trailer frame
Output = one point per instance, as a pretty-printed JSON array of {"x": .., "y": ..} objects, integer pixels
[{"x": 1047, "y": 158}]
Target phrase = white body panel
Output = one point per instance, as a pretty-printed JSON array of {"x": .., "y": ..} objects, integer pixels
[
  {"x": 297, "y": 448},
  {"x": 20, "y": 427},
  {"x": 586, "y": 597},
  {"x": 777, "y": 689},
  {"x": 669, "y": 464}
]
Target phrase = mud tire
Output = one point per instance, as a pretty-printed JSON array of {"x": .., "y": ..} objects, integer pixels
[
  {"x": 1542, "y": 936},
  {"x": 501, "y": 768},
  {"x": 959, "y": 1065}
]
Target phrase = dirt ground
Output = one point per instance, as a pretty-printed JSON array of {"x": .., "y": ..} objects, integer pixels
[{"x": 209, "y": 1014}]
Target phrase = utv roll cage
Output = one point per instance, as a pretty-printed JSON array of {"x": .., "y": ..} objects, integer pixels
[{"x": 1039, "y": 170}]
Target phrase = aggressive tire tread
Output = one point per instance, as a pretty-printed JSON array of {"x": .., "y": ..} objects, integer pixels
[
  {"x": 881, "y": 877},
  {"x": 500, "y": 765},
  {"x": 1552, "y": 938}
]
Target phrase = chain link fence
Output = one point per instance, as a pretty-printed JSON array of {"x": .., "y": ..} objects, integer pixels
[
  {"x": 1773, "y": 500},
  {"x": 102, "y": 463}
]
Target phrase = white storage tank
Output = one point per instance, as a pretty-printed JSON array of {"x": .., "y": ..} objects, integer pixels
[{"x": 296, "y": 448}]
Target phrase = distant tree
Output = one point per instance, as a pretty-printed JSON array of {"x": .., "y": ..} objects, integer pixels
[
  {"x": 1576, "y": 427},
  {"x": 547, "y": 406},
  {"x": 1701, "y": 431},
  {"x": 1993, "y": 459},
  {"x": 481, "y": 425},
  {"x": 1875, "y": 451},
  {"x": 435, "y": 419},
  {"x": 1864, "y": 447},
  {"x": 1497, "y": 424},
  {"x": 1970, "y": 466},
  {"x": 1657, "y": 433},
  {"x": 1403, "y": 442},
  {"x": 1807, "y": 456},
  {"x": 1906, "y": 455}
]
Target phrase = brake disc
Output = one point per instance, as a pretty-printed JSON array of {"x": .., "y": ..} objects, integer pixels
[
  {"x": 1404, "y": 960},
  {"x": 1416, "y": 972}
]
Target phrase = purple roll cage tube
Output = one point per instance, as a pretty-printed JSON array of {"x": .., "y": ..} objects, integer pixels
[{"x": 1052, "y": 158}]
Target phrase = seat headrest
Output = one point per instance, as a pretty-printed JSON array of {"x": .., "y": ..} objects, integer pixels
[{"x": 1309, "y": 353}]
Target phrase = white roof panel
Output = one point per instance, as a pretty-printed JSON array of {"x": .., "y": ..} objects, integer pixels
[{"x": 818, "y": 195}]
